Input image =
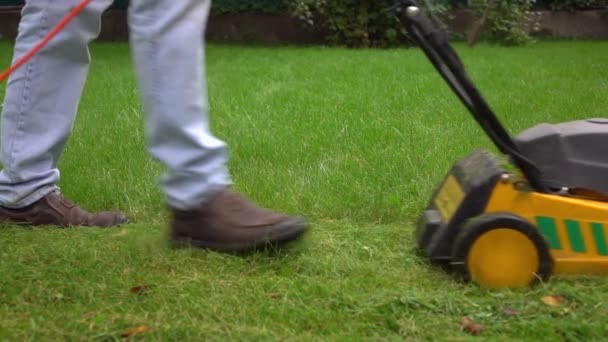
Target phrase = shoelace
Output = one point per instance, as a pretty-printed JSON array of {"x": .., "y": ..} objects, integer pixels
[{"x": 63, "y": 199}]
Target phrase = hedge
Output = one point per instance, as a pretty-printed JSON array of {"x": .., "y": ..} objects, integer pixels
[{"x": 270, "y": 6}]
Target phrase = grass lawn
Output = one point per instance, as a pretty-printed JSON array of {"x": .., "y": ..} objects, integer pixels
[{"x": 353, "y": 140}]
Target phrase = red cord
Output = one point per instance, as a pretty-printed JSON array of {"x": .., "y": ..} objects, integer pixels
[{"x": 73, "y": 13}]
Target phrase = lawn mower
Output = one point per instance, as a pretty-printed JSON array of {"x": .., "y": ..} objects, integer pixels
[{"x": 538, "y": 210}]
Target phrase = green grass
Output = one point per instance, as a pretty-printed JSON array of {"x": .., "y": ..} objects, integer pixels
[{"x": 353, "y": 140}]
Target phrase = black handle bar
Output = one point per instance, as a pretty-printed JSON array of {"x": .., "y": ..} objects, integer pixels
[{"x": 433, "y": 41}]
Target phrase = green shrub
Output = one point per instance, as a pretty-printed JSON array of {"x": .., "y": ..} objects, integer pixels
[
  {"x": 507, "y": 20},
  {"x": 248, "y": 6},
  {"x": 576, "y": 5},
  {"x": 354, "y": 23}
]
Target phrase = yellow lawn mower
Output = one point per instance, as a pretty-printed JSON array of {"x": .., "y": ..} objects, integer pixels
[{"x": 514, "y": 221}]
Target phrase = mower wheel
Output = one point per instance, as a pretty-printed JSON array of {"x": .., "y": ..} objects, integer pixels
[{"x": 501, "y": 250}]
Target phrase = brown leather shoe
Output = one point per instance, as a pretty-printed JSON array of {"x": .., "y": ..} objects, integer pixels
[
  {"x": 55, "y": 210},
  {"x": 231, "y": 223}
]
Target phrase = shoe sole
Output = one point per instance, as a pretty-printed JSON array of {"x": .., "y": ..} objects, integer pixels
[{"x": 290, "y": 230}]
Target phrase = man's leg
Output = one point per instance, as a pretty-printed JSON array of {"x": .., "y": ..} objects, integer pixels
[
  {"x": 39, "y": 110},
  {"x": 167, "y": 38}
]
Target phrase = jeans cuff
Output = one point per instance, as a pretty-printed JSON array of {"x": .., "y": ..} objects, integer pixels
[{"x": 32, "y": 198}]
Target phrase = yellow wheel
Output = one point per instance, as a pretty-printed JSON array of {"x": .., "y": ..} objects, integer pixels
[{"x": 501, "y": 250}]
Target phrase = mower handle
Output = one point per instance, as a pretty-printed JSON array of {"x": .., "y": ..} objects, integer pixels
[{"x": 427, "y": 34}]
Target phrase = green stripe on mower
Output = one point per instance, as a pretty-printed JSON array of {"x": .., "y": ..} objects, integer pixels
[
  {"x": 575, "y": 236},
  {"x": 549, "y": 230},
  {"x": 600, "y": 238}
]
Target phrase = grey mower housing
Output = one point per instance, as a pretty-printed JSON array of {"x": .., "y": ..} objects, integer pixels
[{"x": 571, "y": 154}]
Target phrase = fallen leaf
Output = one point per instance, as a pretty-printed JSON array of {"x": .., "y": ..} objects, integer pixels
[
  {"x": 135, "y": 331},
  {"x": 141, "y": 289},
  {"x": 511, "y": 312},
  {"x": 471, "y": 327},
  {"x": 553, "y": 300}
]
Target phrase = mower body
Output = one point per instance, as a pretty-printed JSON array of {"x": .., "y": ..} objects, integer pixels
[
  {"x": 541, "y": 212},
  {"x": 485, "y": 222}
]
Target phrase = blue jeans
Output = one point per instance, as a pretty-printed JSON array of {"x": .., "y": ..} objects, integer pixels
[{"x": 167, "y": 41}]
